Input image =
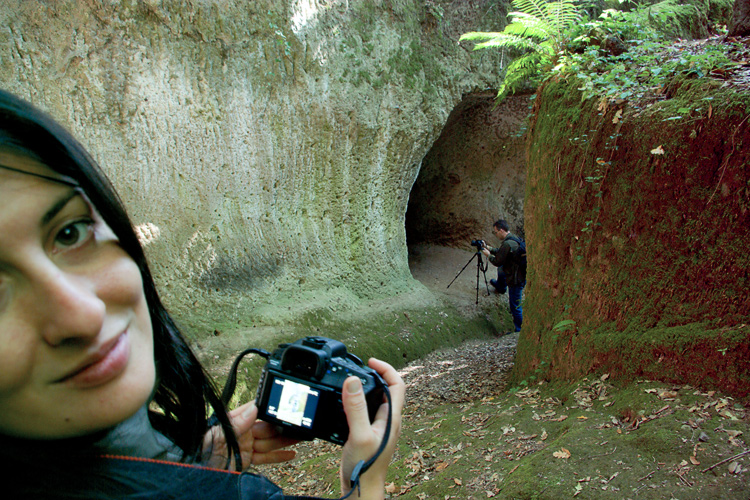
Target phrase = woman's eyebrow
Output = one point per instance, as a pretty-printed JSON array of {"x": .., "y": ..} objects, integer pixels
[{"x": 59, "y": 205}]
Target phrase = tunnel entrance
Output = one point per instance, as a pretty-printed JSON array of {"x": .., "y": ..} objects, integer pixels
[{"x": 474, "y": 174}]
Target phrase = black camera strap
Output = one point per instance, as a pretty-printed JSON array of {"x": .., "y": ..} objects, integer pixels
[{"x": 359, "y": 469}]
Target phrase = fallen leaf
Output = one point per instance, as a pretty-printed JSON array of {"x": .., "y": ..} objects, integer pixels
[
  {"x": 694, "y": 460},
  {"x": 391, "y": 488},
  {"x": 617, "y": 117},
  {"x": 563, "y": 453},
  {"x": 583, "y": 418},
  {"x": 604, "y": 377},
  {"x": 457, "y": 481},
  {"x": 666, "y": 394},
  {"x": 657, "y": 151},
  {"x": 728, "y": 414},
  {"x": 544, "y": 435},
  {"x": 733, "y": 467}
]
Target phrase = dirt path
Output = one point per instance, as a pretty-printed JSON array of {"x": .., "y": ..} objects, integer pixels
[
  {"x": 436, "y": 267},
  {"x": 451, "y": 273}
]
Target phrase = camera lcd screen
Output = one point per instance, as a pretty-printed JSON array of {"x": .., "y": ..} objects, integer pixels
[{"x": 293, "y": 402}]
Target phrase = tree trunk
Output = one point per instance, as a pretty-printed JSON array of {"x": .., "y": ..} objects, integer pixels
[{"x": 740, "y": 25}]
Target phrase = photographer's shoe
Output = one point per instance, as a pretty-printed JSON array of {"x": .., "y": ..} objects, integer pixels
[{"x": 495, "y": 286}]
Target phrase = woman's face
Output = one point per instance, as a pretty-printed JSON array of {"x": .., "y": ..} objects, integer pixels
[{"x": 76, "y": 343}]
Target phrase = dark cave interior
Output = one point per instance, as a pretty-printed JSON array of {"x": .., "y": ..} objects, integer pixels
[{"x": 473, "y": 175}]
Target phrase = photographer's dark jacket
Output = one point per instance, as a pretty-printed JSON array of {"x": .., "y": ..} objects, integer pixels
[{"x": 504, "y": 257}]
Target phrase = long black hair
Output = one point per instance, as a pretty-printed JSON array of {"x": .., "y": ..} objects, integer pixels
[{"x": 184, "y": 391}]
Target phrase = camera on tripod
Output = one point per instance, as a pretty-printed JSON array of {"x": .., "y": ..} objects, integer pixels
[
  {"x": 300, "y": 389},
  {"x": 481, "y": 266}
]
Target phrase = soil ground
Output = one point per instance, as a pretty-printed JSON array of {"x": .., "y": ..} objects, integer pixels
[{"x": 468, "y": 435}]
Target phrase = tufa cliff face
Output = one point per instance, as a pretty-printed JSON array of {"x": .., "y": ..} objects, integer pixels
[
  {"x": 638, "y": 219},
  {"x": 266, "y": 150}
]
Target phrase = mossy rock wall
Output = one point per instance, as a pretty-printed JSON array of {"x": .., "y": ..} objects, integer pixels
[
  {"x": 265, "y": 149},
  {"x": 638, "y": 224}
]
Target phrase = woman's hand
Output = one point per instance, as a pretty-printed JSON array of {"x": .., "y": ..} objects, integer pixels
[
  {"x": 259, "y": 441},
  {"x": 365, "y": 437}
]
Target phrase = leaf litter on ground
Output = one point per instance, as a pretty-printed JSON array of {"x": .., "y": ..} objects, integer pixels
[{"x": 468, "y": 435}]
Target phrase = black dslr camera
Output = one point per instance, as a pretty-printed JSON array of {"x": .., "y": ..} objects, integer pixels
[
  {"x": 300, "y": 389},
  {"x": 477, "y": 243}
]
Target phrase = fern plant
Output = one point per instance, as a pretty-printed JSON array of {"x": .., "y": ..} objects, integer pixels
[{"x": 538, "y": 31}]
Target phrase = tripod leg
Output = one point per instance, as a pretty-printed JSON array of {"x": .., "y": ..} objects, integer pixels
[
  {"x": 462, "y": 270},
  {"x": 486, "y": 285},
  {"x": 479, "y": 267}
]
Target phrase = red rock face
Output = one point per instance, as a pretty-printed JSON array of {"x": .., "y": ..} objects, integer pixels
[{"x": 638, "y": 226}]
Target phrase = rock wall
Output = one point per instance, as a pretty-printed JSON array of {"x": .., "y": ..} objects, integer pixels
[
  {"x": 266, "y": 149},
  {"x": 638, "y": 219}
]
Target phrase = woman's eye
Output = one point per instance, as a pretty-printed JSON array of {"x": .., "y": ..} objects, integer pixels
[{"x": 74, "y": 234}]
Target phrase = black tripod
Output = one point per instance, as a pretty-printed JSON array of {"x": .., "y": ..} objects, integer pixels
[{"x": 481, "y": 266}]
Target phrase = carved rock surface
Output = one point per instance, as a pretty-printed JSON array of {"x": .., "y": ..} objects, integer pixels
[{"x": 266, "y": 149}]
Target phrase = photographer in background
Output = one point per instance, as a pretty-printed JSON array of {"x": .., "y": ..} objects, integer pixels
[{"x": 511, "y": 273}]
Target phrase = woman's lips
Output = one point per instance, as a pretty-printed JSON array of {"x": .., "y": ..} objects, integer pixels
[{"x": 106, "y": 365}]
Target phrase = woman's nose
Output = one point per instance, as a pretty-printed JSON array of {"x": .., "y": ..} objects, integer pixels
[{"x": 71, "y": 311}]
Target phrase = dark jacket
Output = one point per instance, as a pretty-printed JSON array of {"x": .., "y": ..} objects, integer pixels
[
  {"x": 504, "y": 257},
  {"x": 129, "y": 478},
  {"x": 131, "y": 461}
]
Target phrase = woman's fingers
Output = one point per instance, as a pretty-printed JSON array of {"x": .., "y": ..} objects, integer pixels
[
  {"x": 395, "y": 383},
  {"x": 243, "y": 418},
  {"x": 355, "y": 406},
  {"x": 365, "y": 437}
]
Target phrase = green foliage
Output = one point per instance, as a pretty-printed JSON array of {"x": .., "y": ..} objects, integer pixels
[
  {"x": 617, "y": 55},
  {"x": 649, "y": 62},
  {"x": 537, "y": 33},
  {"x": 564, "y": 325}
]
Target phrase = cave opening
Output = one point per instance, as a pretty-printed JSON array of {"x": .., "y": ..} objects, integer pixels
[{"x": 474, "y": 174}]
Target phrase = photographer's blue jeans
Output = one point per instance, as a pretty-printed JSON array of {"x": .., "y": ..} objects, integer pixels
[{"x": 515, "y": 294}]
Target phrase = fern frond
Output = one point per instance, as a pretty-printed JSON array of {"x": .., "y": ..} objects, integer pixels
[
  {"x": 538, "y": 31},
  {"x": 533, "y": 7},
  {"x": 561, "y": 14},
  {"x": 509, "y": 42},
  {"x": 525, "y": 25},
  {"x": 521, "y": 70},
  {"x": 479, "y": 35}
]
